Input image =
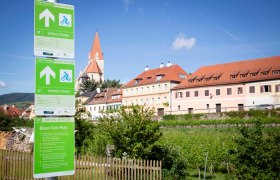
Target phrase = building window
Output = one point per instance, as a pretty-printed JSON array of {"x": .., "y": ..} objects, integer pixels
[
  {"x": 153, "y": 88},
  {"x": 165, "y": 98},
  {"x": 147, "y": 100},
  {"x": 253, "y": 74},
  {"x": 188, "y": 94},
  {"x": 265, "y": 88},
  {"x": 218, "y": 92},
  {"x": 153, "y": 100},
  {"x": 206, "y": 92},
  {"x": 229, "y": 91},
  {"x": 158, "y": 99},
  {"x": 158, "y": 78},
  {"x": 277, "y": 88},
  {"x": 159, "y": 87},
  {"x": 239, "y": 90},
  {"x": 265, "y": 73},
  {"x": 136, "y": 90},
  {"x": 131, "y": 90},
  {"x": 182, "y": 76},
  {"x": 252, "y": 89},
  {"x": 165, "y": 86},
  {"x": 195, "y": 93},
  {"x": 179, "y": 95},
  {"x": 179, "y": 107},
  {"x": 142, "y": 89},
  {"x": 207, "y": 106},
  {"x": 147, "y": 88},
  {"x": 233, "y": 76},
  {"x": 276, "y": 72}
]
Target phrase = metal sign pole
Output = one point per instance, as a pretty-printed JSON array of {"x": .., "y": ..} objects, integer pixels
[{"x": 52, "y": 178}]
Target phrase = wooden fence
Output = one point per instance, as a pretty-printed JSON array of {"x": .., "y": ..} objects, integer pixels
[{"x": 19, "y": 165}]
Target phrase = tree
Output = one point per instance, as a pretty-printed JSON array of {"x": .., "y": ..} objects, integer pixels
[
  {"x": 132, "y": 132},
  {"x": 84, "y": 135},
  {"x": 110, "y": 84},
  {"x": 257, "y": 156},
  {"x": 88, "y": 85}
]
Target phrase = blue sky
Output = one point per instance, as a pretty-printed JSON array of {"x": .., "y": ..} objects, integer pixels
[{"x": 136, "y": 33}]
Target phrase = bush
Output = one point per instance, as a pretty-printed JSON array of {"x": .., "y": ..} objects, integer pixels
[
  {"x": 256, "y": 156},
  {"x": 173, "y": 165}
]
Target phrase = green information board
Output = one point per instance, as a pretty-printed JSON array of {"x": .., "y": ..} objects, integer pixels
[
  {"x": 54, "y": 153},
  {"x": 55, "y": 88},
  {"x": 54, "y": 29}
]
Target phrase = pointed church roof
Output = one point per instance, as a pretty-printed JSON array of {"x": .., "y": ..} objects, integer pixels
[
  {"x": 93, "y": 68},
  {"x": 96, "y": 49}
]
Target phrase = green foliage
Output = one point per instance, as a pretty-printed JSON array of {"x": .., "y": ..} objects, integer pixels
[
  {"x": 194, "y": 143},
  {"x": 84, "y": 135},
  {"x": 88, "y": 85},
  {"x": 110, "y": 84},
  {"x": 7, "y": 122},
  {"x": 173, "y": 165},
  {"x": 132, "y": 132},
  {"x": 256, "y": 156}
]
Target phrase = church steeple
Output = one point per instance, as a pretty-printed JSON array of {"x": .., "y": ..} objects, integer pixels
[{"x": 96, "y": 52}]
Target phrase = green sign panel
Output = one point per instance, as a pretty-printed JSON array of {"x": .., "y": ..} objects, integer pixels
[
  {"x": 54, "y": 89},
  {"x": 54, "y": 29},
  {"x": 54, "y": 143}
]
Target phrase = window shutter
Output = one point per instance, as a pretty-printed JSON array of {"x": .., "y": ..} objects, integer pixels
[
  {"x": 269, "y": 88},
  {"x": 262, "y": 89},
  {"x": 176, "y": 95},
  {"x": 277, "y": 88}
]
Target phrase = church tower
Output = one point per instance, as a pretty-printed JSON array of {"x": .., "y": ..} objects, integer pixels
[{"x": 95, "y": 66}]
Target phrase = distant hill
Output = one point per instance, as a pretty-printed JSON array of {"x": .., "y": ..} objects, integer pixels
[{"x": 18, "y": 99}]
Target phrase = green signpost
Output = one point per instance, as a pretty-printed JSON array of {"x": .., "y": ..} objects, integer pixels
[
  {"x": 54, "y": 89},
  {"x": 54, "y": 144},
  {"x": 54, "y": 29}
]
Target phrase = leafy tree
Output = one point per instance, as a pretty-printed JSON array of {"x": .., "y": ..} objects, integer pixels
[
  {"x": 84, "y": 135},
  {"x": 7, "y": 122},
  {"x": 88, "y": 85},
  {"x": 132, "y": 132},
  {"x": 257, "y": 156},
  {"x": 110, "y": 84}
]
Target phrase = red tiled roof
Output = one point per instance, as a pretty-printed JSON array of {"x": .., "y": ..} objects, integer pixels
[
  {"x": 227, "y": 69},
  {"x": 10, "y": 110},
  {"x": 96, "y": 48},
  {"x": 170, "y": 73},
  {"x": 93, "y": 67},
  {"x": 116, "y": 93},
  {"x": 103, "y": 97}
]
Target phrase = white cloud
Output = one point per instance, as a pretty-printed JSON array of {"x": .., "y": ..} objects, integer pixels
[
  {"x": 182, "y": 42},
  {"x": 127, "y": 3},
  {"x": 2, "y": 84}
]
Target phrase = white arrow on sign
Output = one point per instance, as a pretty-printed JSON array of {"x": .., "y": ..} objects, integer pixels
[
  {"x": 47, "y": 15},
  {"x": 48, "y": 72}
]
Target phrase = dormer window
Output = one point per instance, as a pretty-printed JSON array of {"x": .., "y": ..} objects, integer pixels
[
  {"x": 149, "y": 77},
  {"x": 265, "y": 71},
  {"x": 199, "y": 78},
  {"x": 137, "y": 80},
  {"x": 254, "y": 72},
  {"x": 276, "y": 70},
  {"x": 192, "y": 79},
  {"x": 208, "y": 77},
  {"x": 182, "y": 76},
  {"x": 159, "y": 76},
  {"x": 234, "y": 74},
  {"x": 217, "y": 76},
  {"x": 244, "y": 73}
]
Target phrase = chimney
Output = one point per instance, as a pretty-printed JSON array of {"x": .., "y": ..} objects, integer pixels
[
  {"x": 147, "y": 68},
  {"x": 161, "y": 65},
  {"x": 168, "y": 63}
]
